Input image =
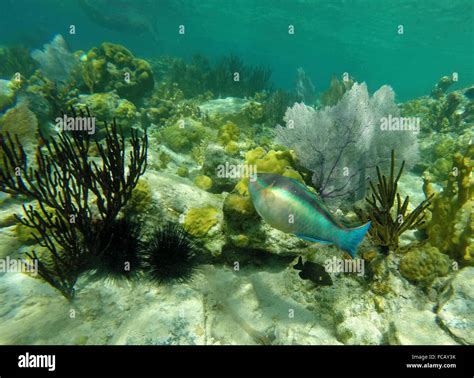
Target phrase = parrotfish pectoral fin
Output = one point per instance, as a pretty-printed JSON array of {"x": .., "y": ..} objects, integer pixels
[
  {"x": 353, "y": 238},
  {"x": 314, "y": 240}
]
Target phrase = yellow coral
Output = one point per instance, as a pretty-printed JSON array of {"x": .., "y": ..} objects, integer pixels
[
  {"x": 238, "y": 205},
  {"x": 203, "y": 182},
  {"x": 228, "y": 132},
  {"x": 232, "y": 148},
  {"x": 141, "y": 199},
  {"x": 451, "y": 228},
  {"x": 182, "y": 171},
  {"x": 199, "y": 221},
  {"x": 279, "y": 162},
  {"x": 185, "y": 134}
]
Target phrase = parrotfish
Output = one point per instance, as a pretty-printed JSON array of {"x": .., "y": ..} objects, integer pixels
[{"x": 289, "y": 206}]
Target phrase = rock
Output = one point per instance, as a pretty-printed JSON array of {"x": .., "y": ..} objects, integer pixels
[
  {"x": 413, "y": 327},
  {"x": 456, "y": 313},
  {"x": 229, "y": 109},
  {"x": 358, "y": 331}
]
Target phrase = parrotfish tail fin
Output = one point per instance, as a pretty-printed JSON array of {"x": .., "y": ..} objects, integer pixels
[{"x": 353, "y": 238}]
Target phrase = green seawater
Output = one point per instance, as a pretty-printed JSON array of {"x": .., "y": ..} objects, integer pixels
[{"x": 360, "y": 37}]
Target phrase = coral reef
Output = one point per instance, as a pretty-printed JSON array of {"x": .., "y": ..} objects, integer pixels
[
  {"x": 387, "y": 223},
  {"x": 341, "y": 144},
  {"x": 451, "y": 228},
  {"x": 113, "y": 67},
  {"x": 67, "y": 181},
  {"x": 423, "y": 264}
]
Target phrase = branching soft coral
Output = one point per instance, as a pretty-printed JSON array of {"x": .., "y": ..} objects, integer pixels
[
  {"x": 451, "y": 228},
  {"x": 78, "y": 199},
  {"x": 388, "y": 224}
]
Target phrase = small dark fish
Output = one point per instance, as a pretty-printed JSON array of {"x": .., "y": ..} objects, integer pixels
[
  {"x": 469, "y": 93},
  {"x": 313, "y": 272}
]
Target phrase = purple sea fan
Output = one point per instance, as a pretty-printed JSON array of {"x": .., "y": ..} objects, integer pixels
[
  {"x": 55, "y": 60},
  {"x": 342, "y": 144}
]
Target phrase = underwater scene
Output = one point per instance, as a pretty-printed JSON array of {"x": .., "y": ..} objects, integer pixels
[{"x": 236, "y": 172}]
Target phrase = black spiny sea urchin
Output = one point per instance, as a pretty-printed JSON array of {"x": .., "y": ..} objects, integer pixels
[{"x": 170, "y": 255}]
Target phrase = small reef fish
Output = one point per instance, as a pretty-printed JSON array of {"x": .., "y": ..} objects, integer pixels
[
  {"x": 291, "y": 207},
  {"x": 313, "y": 272}
]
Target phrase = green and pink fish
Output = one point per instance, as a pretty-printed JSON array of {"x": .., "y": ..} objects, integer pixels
[{"x": 289, "y": 206}]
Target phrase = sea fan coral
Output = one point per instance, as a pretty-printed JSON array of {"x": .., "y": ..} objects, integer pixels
[
  {"x": 342, "y": 144},
  {"x": 55, "y": 60}
]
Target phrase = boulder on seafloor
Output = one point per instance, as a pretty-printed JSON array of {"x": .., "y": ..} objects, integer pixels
[
  {"x": 229, "y": 109},
  {"x": 456, "y": 307},
  {"x": 417, "y": 328}
]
